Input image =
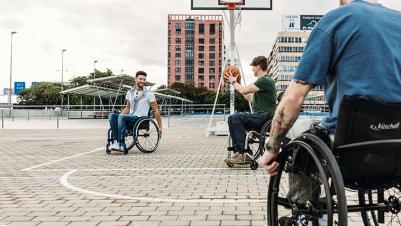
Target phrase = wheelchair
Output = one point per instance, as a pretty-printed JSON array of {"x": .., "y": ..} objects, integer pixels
[
  {"x": 364, "y": 157},
  {"x": 255, "y": 142},
  {"x": 144, "y": 134}
]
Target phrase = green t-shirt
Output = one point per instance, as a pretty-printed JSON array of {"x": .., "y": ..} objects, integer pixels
[{"x": 264, "y": 101}]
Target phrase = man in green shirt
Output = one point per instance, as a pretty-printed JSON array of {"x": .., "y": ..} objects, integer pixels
[{"x": 262, "y": 95}]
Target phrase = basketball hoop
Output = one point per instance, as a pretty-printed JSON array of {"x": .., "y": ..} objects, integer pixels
[{"x": 231, "y": 4}]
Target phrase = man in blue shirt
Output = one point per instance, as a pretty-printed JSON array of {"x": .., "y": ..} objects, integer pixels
[{"x": 354, "y": 50}]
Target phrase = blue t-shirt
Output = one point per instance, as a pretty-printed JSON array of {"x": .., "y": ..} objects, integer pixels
[{"x": 354, "y": 50}]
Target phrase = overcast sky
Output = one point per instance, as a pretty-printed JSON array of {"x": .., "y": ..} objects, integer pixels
[{"x": 120, "y": 34}]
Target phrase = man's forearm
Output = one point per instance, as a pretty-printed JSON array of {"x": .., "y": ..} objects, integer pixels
[
  {"x": 287, "y": 113},
  {"x": 125, "y": 110},
  {"x": 158, "y": 119}
]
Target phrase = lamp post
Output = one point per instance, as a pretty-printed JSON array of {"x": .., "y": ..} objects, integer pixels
[
  {"x": 11, "y": 70},
  {"x": 94, "y": 77},
  {"x": 62, "y": 76},
  {"x": 94, "y": 69}
]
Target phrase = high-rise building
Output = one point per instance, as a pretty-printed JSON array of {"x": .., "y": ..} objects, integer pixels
[
  {"x": 195, "y": 49},
  {"x": 286, "y": 54}
]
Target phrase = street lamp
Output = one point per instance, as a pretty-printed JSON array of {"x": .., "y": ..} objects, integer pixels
[
  {"x": 62, "y": 69},
  {"x": 62, "y": 76},
  {"x": 94, "y": 69},
  {"x": 122, "y": 70},
  {"x": 11, "y": 70}
]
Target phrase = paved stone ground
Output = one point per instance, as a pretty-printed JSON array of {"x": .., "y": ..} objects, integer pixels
[{"x": 64, "y": 177}]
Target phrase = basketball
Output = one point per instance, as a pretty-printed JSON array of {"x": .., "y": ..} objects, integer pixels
[{"x": 234, "y": 71}]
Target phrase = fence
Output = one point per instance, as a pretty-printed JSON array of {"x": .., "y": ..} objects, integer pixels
[{"x": 31, "y": 112}]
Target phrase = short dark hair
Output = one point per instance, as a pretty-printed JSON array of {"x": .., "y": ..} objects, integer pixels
[
  {"x": 261, "y": 61},
  {"x": 138, "y": 73}
]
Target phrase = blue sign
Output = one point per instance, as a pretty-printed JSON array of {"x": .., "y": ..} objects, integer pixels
[{"x": 18, "y": 87}]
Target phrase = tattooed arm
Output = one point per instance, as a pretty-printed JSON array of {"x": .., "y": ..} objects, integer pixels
[{"x": 285, "y": 116}]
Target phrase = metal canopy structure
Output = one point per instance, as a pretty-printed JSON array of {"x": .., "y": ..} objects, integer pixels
[
  {"x": 222, "y": 4},
  {"x": 91, "y": 90},
  {"x": 116, "y": 81},
  {"x": 168, "y": 91}
]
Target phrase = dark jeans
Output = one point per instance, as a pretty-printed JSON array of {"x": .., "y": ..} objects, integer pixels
[
  {"x": 239, "y": 123},
  {"x": 118, "y": 124}
]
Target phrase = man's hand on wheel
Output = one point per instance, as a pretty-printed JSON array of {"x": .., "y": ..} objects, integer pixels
[{"x": 269, "y": 163}]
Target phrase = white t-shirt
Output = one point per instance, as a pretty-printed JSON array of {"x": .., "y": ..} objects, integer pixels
[{"x": 139, "y": 101}]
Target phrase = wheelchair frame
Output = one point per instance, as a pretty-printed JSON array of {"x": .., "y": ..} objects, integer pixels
[
  {"x": 325, "y": 156},
  {"x": 253, "y": 137},
  {"x": 133, "y": 131}
]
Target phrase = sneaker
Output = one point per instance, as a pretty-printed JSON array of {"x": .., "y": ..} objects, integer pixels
[
  {"x": 115, "y": 146},
  {"x": 228, "y": 160},
  {"x": 242, "y": 159}
]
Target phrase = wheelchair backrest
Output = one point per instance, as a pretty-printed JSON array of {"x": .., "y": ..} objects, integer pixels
[
  {"x": 367, "y": 120},
  {"x": 368, "y": 142}
]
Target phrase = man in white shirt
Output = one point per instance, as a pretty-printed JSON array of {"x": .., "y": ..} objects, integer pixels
[{"x": 139, "y": 101}]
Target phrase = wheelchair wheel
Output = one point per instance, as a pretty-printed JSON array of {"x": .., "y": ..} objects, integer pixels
[
  {"x": 147, "y": 135},
  {"x": 129, "y": 139},
  {"x": 252, "y": 142},
  {"x": 391, "y": 198},
  {"x": 254, "y": 165},
  {"x": 108, "y": 151},
  {"x": 319, "y": 197}
]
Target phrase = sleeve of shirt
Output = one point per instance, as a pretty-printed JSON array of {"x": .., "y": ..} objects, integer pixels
[
  {"x": 151, "y": 97},
  {"x": 262, "y": 84},
  {"x": 127, "y": 96},
  {"x": 316, "y": 59}
]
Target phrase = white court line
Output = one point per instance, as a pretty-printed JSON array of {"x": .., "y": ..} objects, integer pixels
[
  {"x": 64, "y": 182},
  {"x": 62, "y": 159},
  {"x": 140, "y": 169}
]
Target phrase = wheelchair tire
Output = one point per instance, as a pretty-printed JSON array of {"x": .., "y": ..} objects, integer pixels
[
  {"x": 147, "y": 135},
  {"x": 129, "y": 140},
  {"x": 229, "y": 164},
  {"x": 254, "y": 165},
  {"x": 311, "y": 160}
]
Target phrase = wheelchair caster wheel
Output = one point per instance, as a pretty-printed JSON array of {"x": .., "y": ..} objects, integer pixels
[
  {"x": 254, "y": 165},
  {"x": 125, "y": 152},
  {"x": 108, "y": 151},
  {"x": 229, "y": 164}
]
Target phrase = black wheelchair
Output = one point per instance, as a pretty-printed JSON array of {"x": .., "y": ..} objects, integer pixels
[
  {"x": 255, "y": 143},
  {"x": 364, "y": 157},
  {"x": 144, "y": 134}
]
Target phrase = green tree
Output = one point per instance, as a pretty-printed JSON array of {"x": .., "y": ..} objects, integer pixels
[{"x": 42, "y": 93}]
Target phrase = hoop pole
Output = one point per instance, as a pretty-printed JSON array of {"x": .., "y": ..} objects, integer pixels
[{"x": 233, "y": 60}]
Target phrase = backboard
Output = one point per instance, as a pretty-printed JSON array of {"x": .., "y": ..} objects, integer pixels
[{"x": 219, "y": 5}]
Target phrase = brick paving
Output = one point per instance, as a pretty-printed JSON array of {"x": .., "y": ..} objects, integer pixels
[{"x": 138, "y": 189}]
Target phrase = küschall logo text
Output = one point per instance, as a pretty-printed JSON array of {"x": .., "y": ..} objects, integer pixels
[{"x": 384, "y": 126}]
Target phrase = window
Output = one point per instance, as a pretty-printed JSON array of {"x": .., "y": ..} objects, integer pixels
[
  {"x": 201, "y": 55},
  {"x": 177, "y": 77},
  {"x": 189, "y": 24},
  {"x": 201, "y": 70},
  {"x": 178, "y": 40},
  {"x": 201, "y": 78},
  {"x": 211, "y": 63},
  {"x": 178, "y": 26},
  {"x": 212, "y": 71},
  {"x": 212, "y": 29},
  {"x": 212, "y": 55},
  {"x": 212, "y": 48},
  {"x": 201, "y": 63},
  {"x": 201, "y": 29},
  {"x": 178, "y": 55},
  {"x": 177, "y": 62},
  {"x": 201, "y": 48},
  {"x": 177, "y": 70},
  {"x": 177, "y": 48},
  {"x": 201, "y": 41},
  {"x": 211, "y": 78},
  {"x": 211, "y": 85},
  {"x": 212, "y": 40}
]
